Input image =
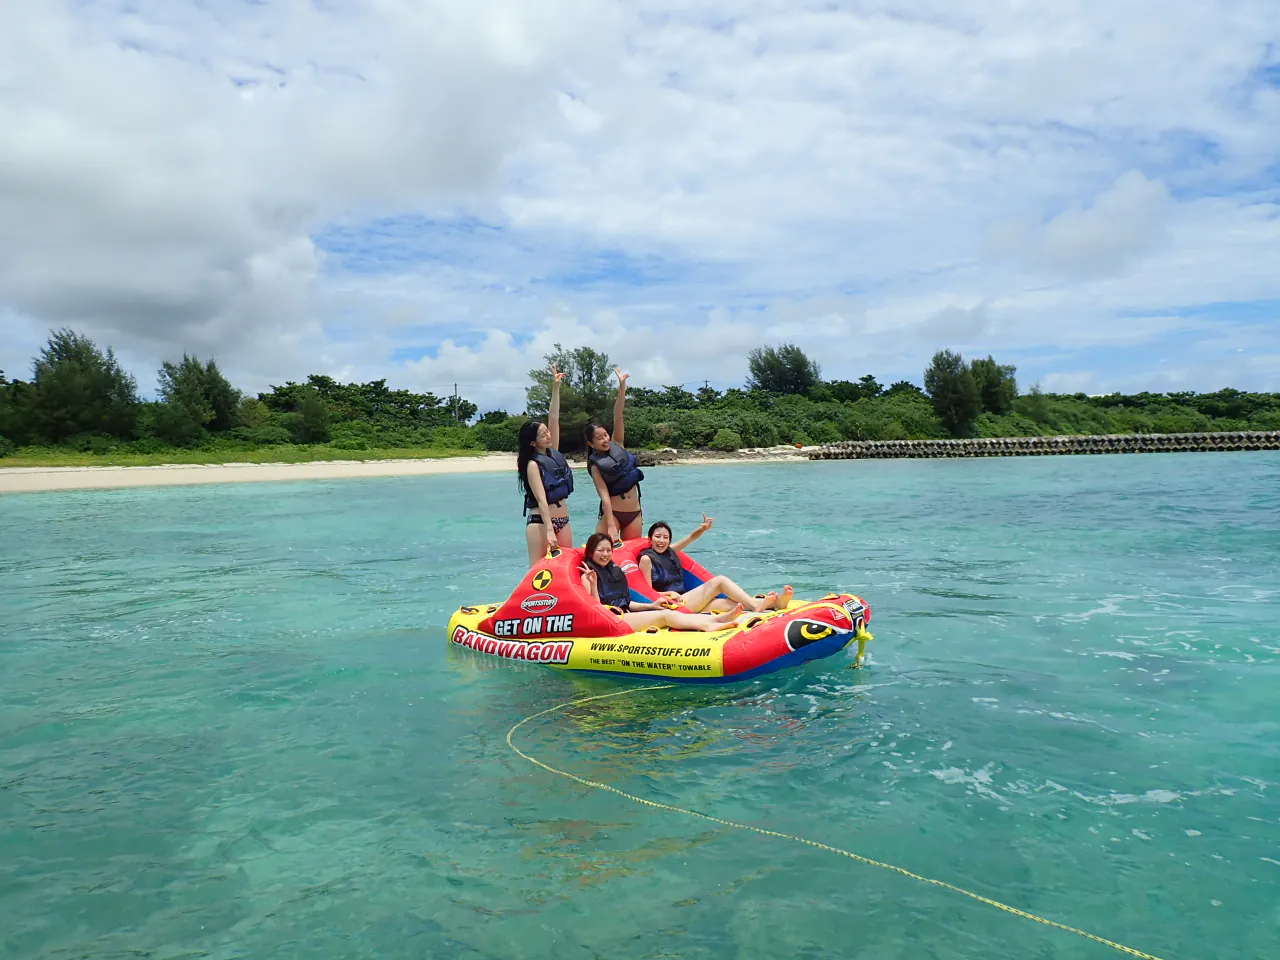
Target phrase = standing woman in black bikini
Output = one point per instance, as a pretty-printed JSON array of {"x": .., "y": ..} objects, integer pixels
[
  {"x": 616, "y": 475},
  {"x": 546, "y": 479}
]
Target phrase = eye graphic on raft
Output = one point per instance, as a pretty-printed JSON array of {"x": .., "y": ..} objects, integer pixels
[
  {"x": 801, "y": 633},
  {"x": 541, "y": 580}
]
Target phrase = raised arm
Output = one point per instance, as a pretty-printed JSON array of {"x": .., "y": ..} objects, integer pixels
[
  {"x": 683, "y": 543},
  {"x": 553, "y": 415},
  {"x": 619, "y": 427},
  {"x": 589, "y": 580}
]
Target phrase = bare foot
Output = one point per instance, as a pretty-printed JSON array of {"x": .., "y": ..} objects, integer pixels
[
  {"x": 768, "y": 602},
  {"x": 784, "y": 601},
  {"x": 728, "y": 615}
]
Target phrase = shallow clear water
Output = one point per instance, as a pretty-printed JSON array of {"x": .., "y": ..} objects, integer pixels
[{"x": 230, "y": 724}]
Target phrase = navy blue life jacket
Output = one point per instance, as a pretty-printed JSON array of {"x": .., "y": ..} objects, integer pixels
[
  {"x": 611, "y": 583},
  {"x": 557, "y": 478},
  {"x": 617, "y": 467},
  {"x": 668, "y": 572}
]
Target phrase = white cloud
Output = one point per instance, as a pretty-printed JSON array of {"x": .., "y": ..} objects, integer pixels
[
  {"x": 163, "y": 170},
  {"x": 674, "y": 183},
  {"x": 1122, "y": 225},
  {"x": 1070, "y": 381}
]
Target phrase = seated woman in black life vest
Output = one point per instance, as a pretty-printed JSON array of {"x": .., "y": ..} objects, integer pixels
[
  {"x": 605, "y": 581},
  {"x": 546, "y": 479},
  {"x": 616, "y": 475},
  {"x": 660, "y": 564}
]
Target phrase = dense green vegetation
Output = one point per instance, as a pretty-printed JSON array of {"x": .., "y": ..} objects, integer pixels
[{"x": 81, "y": 407}]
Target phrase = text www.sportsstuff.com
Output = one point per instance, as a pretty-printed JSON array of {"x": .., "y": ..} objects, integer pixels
[{"x": 643, "y": 651}]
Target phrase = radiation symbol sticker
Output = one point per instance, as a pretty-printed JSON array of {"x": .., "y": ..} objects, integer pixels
[
  {"x": 801, "y": 633},
  {"x": 542, "y": 580}
]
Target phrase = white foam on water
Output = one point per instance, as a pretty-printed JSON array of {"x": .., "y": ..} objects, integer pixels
[
  {"x": 979, "y": 781},
  {"x": 1107, "y": 606},
  {"x": 1120, "y": 799}
]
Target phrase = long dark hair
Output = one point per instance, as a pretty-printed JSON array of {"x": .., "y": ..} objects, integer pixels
[
  {"x": 525, "y": 452},
  {"x": 589, "y": 433},
  {"x": 593, "y": 541}
]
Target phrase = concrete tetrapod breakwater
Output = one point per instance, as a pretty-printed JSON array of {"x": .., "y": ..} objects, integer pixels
[{"x": 1047, "y": 446}]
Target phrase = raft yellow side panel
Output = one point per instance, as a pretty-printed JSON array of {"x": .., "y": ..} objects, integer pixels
[{"x": 656, "y": 653}]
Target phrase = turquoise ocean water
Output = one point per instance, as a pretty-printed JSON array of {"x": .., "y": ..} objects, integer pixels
[{"x": 230, "y": 725}]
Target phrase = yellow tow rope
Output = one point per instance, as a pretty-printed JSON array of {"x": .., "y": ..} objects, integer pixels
[{"x": 787, "y": 836}]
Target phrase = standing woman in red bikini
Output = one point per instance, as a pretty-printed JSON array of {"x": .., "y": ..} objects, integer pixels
[
  {"x": 615, "y": 473},
  {"x": 546, "y": 479}
]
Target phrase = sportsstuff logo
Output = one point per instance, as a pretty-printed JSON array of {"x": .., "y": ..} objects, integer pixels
[
  {"x": 553, "y": 651},
  {"x": 538, "y": 603},
  {"x": 629, "y": 567},
  {"x": 857, "y": 611}
]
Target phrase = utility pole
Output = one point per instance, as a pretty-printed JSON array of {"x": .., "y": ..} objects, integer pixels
[{"x": 455, "y": 403}]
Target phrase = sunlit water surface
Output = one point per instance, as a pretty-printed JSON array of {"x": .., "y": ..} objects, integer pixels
[{"x": 230, "y": 725}]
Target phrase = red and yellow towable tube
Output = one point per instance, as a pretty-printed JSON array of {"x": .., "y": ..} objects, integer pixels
[{"x": 550, "y": 619}]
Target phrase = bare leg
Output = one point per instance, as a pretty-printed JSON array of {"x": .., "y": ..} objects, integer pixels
[
  {"x": 773, "y": 600},
  {"x": 733, "y": 613},
  {"x": 535, "y": 537},
  {"x": 701, "y": 596},
  {"x": 565, "y": 536},
  {"x": 643, "y": 619},
  {"x": 632, "y": 529}
]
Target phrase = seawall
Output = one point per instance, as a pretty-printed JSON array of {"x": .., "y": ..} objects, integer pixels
[{"x": 1048, "y": 446}]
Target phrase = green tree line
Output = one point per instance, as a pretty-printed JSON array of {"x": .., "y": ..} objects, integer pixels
[{"x": 80, "y": 398}]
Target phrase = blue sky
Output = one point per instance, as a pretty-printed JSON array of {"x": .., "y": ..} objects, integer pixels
[{"x": 437, "y": 192}]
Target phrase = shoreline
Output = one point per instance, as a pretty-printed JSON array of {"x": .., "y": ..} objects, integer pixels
[{"x": 53, "y": 479}]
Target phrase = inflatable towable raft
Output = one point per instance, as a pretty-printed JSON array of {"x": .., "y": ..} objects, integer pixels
[{"x": 551, "y": 619}]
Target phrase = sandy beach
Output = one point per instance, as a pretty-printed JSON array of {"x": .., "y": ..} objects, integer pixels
[
  {"x": 33, "y": 479},
  {"x": 36, "y": 479}
]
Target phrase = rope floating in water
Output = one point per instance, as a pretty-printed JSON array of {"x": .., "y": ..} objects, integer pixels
[{"x": 596, "y": 785}]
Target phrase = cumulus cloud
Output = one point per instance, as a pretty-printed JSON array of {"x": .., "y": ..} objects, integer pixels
[
  {"x": 712, "y": 350},
  {"x": 432, "y": 191},
  {"x": 1122, "y": 225},
  {"x": 165, "y": 165},
  {"x": 1069, "y": 381}
]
